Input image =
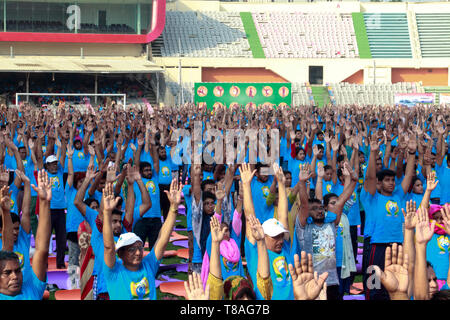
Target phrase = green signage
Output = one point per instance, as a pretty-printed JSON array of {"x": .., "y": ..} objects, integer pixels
[{"x": 214, "y": 94}]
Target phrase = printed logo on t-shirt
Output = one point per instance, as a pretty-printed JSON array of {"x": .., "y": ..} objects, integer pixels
[
  {"x": 443, "y": 244},
  {"x": 328, "y": 188},
  {"x": 140, "y": 290},
  {"x": 340, "y": 229},
  {"x": 12, "y": 203},
  {"x": 165, "y": 171},
  {"x": 54, "y": 182},
  {"x": 25, "y": 162},
  {"x": 80, "y": 155},
  {"x": 392, "y": 208},
  {"x": 150, "y": 186},
  {"x": 230, "y": 266},
  {"x": 279, "y": 266},
  {"x": 265, "y": 191},
  {"x": 21, "y": 261}
]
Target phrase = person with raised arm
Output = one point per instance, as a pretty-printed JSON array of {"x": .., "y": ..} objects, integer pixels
[
  {"x": 276, "y": 236},
  {"x": 15, "y": 284}
]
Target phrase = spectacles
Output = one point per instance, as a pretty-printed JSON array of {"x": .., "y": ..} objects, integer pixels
[{"x": 133, "y": 249}]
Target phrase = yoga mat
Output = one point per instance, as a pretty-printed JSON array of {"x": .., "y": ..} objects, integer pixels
[
  {"x": 74, "y": 294},
  {"x": 355, "y": 297},
  {"x": 175, "y": 288},
  {"x": 59, "y": 278},
  {"x": 183, "y": 253},
  {"x": 181, "y": 243},
  {"x": 182, "y": 267}
]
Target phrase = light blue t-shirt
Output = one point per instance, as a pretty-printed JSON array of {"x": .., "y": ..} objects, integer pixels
[
  {"x": 32, "y": 288},
  {"x": 123, "y": 284},
  {"x": 437, "y": 255},
  {"x": 279, "y": 270},
  {"x": 58, "y": 200},
  {"x": 74, "y": 216},
  {"x": 22, "y": 250},
  {"x": 152, "y": 187},
  {"x": 260, "y": 191},
  {"x": 165, "y": 170},
  {"x": 387, "y": 215}
]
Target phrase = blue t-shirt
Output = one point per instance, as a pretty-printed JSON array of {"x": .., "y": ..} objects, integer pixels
[
  {"x": 260, "y": 191},
  {"x": 351, "y": 207},
  {"x": 32, "y": 288},
  {"x": 22, "y": 250},
  {"x": 80, "y": 161},
  {"x": 14, "y": 202},
  {"x": 437, "y": 255},
  {"x": 74, "y": 216},
  {"x": 152, "y": 187},
  {"x": 279, "y": 270},
  {"x": 29, "y": 172},
  {"x": 58, "y": 200},
  {"x": 132, "y": 285},
  {"x": 443, "y": 175},
  {"x": 387, "y": 216},
  {"x": 165, "y": 170},
  {"x": 188, "y": 199}
]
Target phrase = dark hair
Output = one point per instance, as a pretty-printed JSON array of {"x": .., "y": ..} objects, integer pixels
[
  {"x": 7, "y": 256},
  {"x": 314, "y": 200},
  {"x": 385, "y": 173},
  {"x": 327, "y": 198},
  {"x": 116, "y": 211},
  {"x": 327, "y": 167},
  {"x": 287, "y": 172},
  {"x": 441, "y": 295},
  {"x": 340, "y": 158},
  {"x": 77, "y": 177},
  {"x": 89, "y": 201},
  {"x": 320, "y": 147},
  {"x": 14, "y": 218},
  {"x": 208, "y": 195},
  {"x": 205, "y": 182},
  {"x": 413, "y": 181},
  {"x": 260, "y": 165},
  {"x": 144, "y": 164}
]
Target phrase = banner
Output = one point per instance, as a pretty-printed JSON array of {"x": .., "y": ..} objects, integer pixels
[
  {"x": 214, "y": 94},
  {"x": 411, "y": 99},
  {"x": 444, "y": 98}
]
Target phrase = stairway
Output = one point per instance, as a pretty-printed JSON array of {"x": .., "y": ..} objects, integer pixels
[
  {"x": 320, "y": 94},
  {"x": 156, "y": 46}
]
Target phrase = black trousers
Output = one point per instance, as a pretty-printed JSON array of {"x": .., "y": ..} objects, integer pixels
[
  {"x": 376, "y": 257},
  {"x": 148, "y": 228},
  {"x": 163, "y": 200},
  {"x": 58, "y": 219}
]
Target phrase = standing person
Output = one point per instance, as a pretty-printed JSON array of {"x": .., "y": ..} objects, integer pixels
[
  {"x": 386, "y": 202},
  {"x": 277, "y": 238},
  {"x": 166, "y": 171},
  {"x": 55, "y": 170},
  {"x": 133, "y": 276},
  {"x": 318, "y": 235},
  {"x": 14, "y": 284}
]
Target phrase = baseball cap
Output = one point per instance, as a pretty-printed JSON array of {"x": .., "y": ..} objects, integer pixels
[
  {"x": 273, "y": 227},
  {"x": 78, "y": 138},
  {"x": 127, "y": 239},
  {"x": 51, "y": 159}
]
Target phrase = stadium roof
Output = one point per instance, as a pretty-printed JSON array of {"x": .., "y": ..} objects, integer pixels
[{"x": 78, "y": 64}]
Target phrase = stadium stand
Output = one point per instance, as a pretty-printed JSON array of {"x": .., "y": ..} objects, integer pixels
[
  {"x": 434, "y": 34},
  {"x": 382, "y": 93},
  {"x": 188, "y": 91},
  {"x": 306, "y": 35},
  {"x": 204, "y": 34},
  {"x": 388, "y": 35}
]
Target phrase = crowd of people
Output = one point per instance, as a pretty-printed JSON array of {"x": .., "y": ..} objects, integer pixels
[{"x": 110, "y": 181}]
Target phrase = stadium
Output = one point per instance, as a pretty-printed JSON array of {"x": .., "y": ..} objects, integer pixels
[
  {"x": 330, "y": 52},
  {"x": 145, "y": 54}
]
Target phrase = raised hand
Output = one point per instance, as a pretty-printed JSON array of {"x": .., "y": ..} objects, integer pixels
[
  {"x": 174, "y": 194},
  {"x": 44, "y": 188},
  {"x": 220, "y": 191},
  {"x": 305, "y": 173},
  {"x": 320, "y": 170},
  {"x": 445, "y": 211},
  {"x": 307, "y": 284},
  {"x": 424, "y": 231},
  {"x": 70, "y": 151},
  {"x": 217, "y": 233},
  {"x": 22, "y": 176},
  {"x": 279, "y": 175},
  {"x": 395, "y": 275},
  {"x": 109, "y": 200},
  {"x": 256, "y": 228},
  {"x": 91, "y": 151},
  {"x": 5, "y": 198},
  {"x": 4, "y": 175},
  {"x": 111, "y": 174},
  {"x": 431, "y": 181},
  {"x": 410, "y": 215},
  {"x": 194, "y": 288},
  {"x": 246, "y": 173}
]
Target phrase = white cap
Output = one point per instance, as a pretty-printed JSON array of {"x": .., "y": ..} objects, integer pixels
[
  {"x": 51, "y": 158},
  {"x": 273, "y": 227},
  {"x": 127, "y": 239}
]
